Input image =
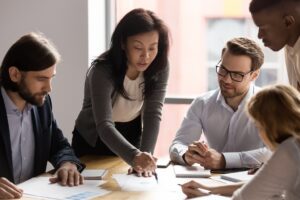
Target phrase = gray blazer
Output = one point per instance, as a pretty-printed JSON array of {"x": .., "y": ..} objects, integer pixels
[{"x": 95, "y": 117}]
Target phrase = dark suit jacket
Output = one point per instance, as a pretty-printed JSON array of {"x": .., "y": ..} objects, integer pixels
[{"x": 50, "y": 144}]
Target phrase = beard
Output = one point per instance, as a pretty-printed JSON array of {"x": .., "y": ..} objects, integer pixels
[
  {"x": 229, "y": 93},
  {"x": 36, "y": 99}
]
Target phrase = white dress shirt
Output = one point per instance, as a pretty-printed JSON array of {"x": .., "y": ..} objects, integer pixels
[
  {"x": 292, "y": 60},
  {"x": 279, "y": 178},
  {"x": 231, "y": 132}
]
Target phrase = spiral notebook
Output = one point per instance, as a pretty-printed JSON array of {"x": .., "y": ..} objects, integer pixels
[{"x": 191, "y": 172}]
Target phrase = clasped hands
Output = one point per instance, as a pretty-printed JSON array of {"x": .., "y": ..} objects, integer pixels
[
  {"x": 66, "y": 174},
  {"x": 199, "y": 152},
  {"x": 144, "y": 164}
]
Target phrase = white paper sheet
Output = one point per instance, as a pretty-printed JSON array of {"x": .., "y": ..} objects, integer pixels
[
  {"x": 41, "y": 187},
  {"x": 134, "y": 183},
  {"x": 166, "y": 182},
  {"x": 212, "y": 197}
]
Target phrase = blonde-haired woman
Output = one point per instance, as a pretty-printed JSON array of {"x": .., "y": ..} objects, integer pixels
[{"x": 276, "y": 112}]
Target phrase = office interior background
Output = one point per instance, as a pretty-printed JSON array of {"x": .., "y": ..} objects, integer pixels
[{"x": 81, "y": 31}]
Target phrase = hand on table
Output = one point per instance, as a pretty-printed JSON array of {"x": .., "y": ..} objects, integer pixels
[
  {"x": 67, "y": 174},
  {"x": 193, "y": 189},
  {"x": 139, "y": 174},
  {"x": 144, "y": 164},
  {"x": 8, "y": 190}
]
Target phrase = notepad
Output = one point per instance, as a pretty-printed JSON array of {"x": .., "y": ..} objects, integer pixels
[
  {"x": 93, "y": 174},
  {"x": 237, "y": 176},
  {"x": 191, "y": 171}
]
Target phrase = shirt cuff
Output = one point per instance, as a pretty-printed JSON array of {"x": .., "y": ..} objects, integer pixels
[
  {"x": 181, "y": 160},
  {"x": 232, "y": 160},
  {"x": 177, "y": 157},
  {"x": 80, "y": 166}
]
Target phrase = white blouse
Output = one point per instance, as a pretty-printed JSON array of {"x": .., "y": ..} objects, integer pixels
[
  {"x": 125, "y": 110},
  {"x": 279, "y": 178}
]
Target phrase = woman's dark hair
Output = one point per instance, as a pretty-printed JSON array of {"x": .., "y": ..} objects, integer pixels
[
  {"x": 32, "y": 52},
  {"x": 136, "y": 22}
]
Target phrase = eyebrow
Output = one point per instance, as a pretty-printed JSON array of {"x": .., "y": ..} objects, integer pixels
[
  {"x": 233, "y": 71},
  {"x": 154, "y": 43},
  {"x": 42, "y": 76}
]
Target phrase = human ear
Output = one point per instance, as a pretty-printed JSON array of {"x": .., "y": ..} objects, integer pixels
[
  {"x": 289, "y": 20},
  {"x": 255, "y": 74},
  {"x": 14, "y": 74}
]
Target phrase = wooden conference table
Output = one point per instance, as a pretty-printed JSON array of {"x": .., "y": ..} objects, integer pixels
[{"x": 115, "y": 165}]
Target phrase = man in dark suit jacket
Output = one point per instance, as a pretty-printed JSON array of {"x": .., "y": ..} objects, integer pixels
[{"x": 29, "y": 135}]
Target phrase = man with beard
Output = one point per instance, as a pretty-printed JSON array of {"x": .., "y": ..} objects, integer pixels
[
  {"x": 232, "y": 138},
  {"x": 278, "y": 23},
  {"x": 29, "y": 135}
]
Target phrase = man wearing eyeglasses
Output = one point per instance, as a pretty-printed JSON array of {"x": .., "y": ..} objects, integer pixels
[{"x": 232, "y": 138}]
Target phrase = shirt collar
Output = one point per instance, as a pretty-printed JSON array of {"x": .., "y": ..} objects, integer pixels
[
  {"x": 293, "y": 50},
  {"x": 10, "y": 106},
  {"x": 220, "y": 99},
  {"x": 138, "y": 78}
]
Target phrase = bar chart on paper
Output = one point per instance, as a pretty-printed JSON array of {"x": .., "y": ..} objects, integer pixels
[{"x": 42, "y": 188}]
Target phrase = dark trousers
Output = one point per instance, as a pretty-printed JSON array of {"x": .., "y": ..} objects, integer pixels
[{"x": 131, "y": 131}]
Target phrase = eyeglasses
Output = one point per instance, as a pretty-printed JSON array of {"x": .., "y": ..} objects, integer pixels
[{"x": 235, "y": 76}]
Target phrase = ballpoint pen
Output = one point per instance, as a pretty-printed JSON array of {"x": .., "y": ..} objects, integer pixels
[{"x": 155, "y": 175}]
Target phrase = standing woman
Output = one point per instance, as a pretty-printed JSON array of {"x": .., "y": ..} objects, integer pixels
[
  {"x": 124, "y": 93},
  {"x": 276, "y": 112}
]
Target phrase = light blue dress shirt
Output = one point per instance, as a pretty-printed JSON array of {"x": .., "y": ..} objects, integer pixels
[
  {"x": 21, "y": 138},
  {"x": 231, "y": 132}
]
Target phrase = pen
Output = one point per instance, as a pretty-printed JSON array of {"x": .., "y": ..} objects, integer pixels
[{"x": 155, "y": 175}]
